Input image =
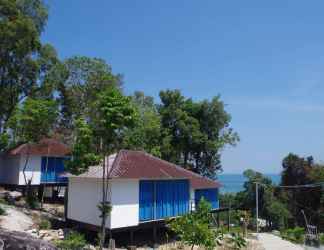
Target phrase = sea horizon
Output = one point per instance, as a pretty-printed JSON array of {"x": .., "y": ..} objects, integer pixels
[{"x": 233, "y": 183}]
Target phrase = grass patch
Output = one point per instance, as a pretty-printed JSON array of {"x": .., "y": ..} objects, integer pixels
[
  {"x": 73, "y": 241},
  {"x": 44, "y": 224},
  {"x": 296, "y": 235}
]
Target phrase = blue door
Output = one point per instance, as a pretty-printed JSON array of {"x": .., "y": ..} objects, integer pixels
[
  {"x": 210, "y": 195},
  {"x": 164, "y": 198},
  {"x": 51, "y": 169}
]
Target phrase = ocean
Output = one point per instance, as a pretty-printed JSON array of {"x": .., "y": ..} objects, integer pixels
[{"x": 233, "y": 183}]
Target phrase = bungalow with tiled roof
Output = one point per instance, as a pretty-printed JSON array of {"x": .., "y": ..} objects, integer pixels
[
  {"x": 44, "y": 163},
  {"x": 143, "y": 188}
]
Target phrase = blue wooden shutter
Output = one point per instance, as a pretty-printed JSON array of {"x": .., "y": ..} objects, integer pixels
[
  {"x": 172, "y": 198},
  {"x": 146, "y": 200},
  {"x": 211, "y": 195}
]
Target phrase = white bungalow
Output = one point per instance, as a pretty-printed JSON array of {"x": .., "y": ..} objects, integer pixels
[
  {"x": 44, "y": 163},
  {"x": 143, "y": 189}
]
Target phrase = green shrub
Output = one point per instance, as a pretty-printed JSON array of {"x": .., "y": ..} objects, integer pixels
[
  {"x": 194, "y": 228},
  {"x": 73, "y": 241},
  {"x": 32, "y": 201},
  {"x": 321, "y": 237},
  {"x": 294, "y": 234},
  {"x": 236, "y": 241},
  {"x": 44, "y": 224},
  {"x": 2, "y": 211}
]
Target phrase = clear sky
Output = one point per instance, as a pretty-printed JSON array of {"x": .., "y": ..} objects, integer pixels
[{"x": 265, "y": 58}]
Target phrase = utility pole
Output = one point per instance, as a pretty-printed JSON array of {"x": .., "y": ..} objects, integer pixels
[{"x": 257, "y": 207}]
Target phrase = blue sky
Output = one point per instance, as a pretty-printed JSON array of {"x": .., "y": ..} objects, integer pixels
[{"x": 265, "y": 58}]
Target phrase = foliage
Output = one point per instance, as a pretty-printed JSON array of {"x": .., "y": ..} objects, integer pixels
[
  {"x": 146, "y": 134},
  {"x": 2, "y": 210},
  {"x": 271, "y": 208},
  {"x": 194, "y": 228},
  {"x": 73, "y": 241},
  {"x": 18, "y": 70},
  {"x": 321, "y": 238},
  {"x": 236, "y": 241},
  {"x": 79, "y": 80},
  {"x": 32, "y": 200},
  {"x": 301, "y": 171},
  {"x": 44, "y": 224},
  {"x": 83, "y": 154},
  {"x": 194, "y": 132},
  {"x": 34, "y": 120},
  {"x": 294, "y": 234}
]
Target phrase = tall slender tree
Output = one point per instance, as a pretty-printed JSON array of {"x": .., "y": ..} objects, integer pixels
[{"x": 112, "y": 114}]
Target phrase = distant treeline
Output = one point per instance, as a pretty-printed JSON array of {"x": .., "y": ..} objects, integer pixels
[{"x": 301, "y": 189}]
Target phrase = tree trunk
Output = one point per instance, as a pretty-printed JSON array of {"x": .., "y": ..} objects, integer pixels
[{"x": 103, "y": 213}]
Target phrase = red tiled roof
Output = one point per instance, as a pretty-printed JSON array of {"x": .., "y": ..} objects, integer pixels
[
  {"x": 50, "y": 147},
  {"x": 129, "y": 164}
]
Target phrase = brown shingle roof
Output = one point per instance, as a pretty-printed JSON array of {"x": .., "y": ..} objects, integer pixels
[
  {"x": 50, "y": 147},
  {"x": 129, "y": 164}
]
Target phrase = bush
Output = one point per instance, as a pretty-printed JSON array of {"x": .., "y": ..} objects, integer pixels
[
  {"x": 73, "y": 241},
  {"x": 44, "y": 224},
  {"x": 295, "y": 234},
  {"x": 236, "y": 241},
  {"x": 194, "y": 228},
  {"x": 2, "y": 211},
  {"x": 32, "y": 201},
  {"x": 321, "y": 237}
]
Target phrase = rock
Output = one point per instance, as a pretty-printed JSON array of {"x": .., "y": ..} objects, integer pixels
[
  {"x": 11, "y": 196},
  {"x": 21, "y": 240}
]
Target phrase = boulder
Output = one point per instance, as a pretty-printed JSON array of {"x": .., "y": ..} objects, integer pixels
[
  {"x": 11, "y": 196},
  {"x": 13, "y": 240}
]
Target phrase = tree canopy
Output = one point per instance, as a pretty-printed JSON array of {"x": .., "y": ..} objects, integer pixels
[{"x": 76, "y": 92}]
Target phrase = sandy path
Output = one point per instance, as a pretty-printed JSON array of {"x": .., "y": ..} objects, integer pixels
[
  {"x": 272, "y": 242},
  {"x": 15, "y": 220}
]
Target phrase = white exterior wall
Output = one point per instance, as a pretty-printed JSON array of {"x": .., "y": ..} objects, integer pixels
[
  {"x": 84, "y": 194},
  {"x": 9, "y": 169},
  {"x": 125, "y": 202},
  {"x": 33, "y": 169}
]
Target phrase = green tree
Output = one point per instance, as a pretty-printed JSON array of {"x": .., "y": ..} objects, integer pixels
[
  {"x": 79, "y": 80},
  {"x": 32, "y": 121},
  {"x": 194, "y": 228},
  {"x": 301, "y": 171},
  {"x": 194, "y": 132},
  {"x": 146, "y": 134},
  {"x": 271, "y": 208},
  {"x": 25, "y": 63},
  {"x": 112, "y": 114},
  {"x": 18, "y": 71},
  {"x": 83, "y": 152}
]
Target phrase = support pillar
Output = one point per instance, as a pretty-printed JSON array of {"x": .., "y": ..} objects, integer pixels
[
  {"x": 131, "y": 234},
  {"x": 40, "y": 192}
]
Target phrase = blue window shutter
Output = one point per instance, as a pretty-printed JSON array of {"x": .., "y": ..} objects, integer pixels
[
  {"x": 211, "y": 195},
  {"x": 146, "y": 200},
  {"x": 163, "y": 198}
]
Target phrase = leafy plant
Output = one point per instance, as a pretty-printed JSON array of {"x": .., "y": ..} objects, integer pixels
[
  {"x": 44, "y": 224},
  {"x": 2, "y": 211},
  {"x": 321, "y": 238},
  {"x": 294, "y": 234},
  {"x": 32, "y": 201},
  {"x": 194, "y": 229},
  {"x": 236, "y": 241},
  {"x": 73, "y": 241}
]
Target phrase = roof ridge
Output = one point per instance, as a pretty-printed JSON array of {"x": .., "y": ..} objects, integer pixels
[{"x": 171, "y": 163}]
